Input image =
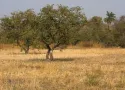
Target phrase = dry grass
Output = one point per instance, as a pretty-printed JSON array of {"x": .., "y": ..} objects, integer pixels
[{"x": 85, "y": 69}]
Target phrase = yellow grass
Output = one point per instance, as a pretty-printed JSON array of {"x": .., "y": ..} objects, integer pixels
[{"x": 72, "y": 69}]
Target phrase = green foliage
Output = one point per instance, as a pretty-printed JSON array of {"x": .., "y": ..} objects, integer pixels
[
  {"x": 119, "y": 32},
  {"x": 93, "y": 30},
  {"x": 20, "y": 27},
  {"x": 110, "y": 18},
  {"x": 58, "y": 26}
]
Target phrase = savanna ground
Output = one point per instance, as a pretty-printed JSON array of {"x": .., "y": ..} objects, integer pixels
[{"x": 72, "y": 69}]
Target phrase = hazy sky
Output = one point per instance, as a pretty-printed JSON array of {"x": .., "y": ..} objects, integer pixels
[{"x": 91, "y": 7}]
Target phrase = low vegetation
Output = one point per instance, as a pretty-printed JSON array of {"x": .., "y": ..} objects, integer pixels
[{"x": 72, "y": 69}]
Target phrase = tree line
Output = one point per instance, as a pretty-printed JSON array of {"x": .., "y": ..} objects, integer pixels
[{"x": 60, "y": 25}]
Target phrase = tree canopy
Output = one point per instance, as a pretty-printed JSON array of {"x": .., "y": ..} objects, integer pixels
[{"x": 20, "y": 27}]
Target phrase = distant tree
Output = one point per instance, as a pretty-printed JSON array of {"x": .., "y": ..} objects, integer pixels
[
  {"x": 119, "y": 32},
  {"x": 96, "y": 24},
  {"x": 58, "y": 26},
  {"x": 110, "y": 18},
  {"x": 20, "y": 27},
  {"x": 92, "y": 31}
]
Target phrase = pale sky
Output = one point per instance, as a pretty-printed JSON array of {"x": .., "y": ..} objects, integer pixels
[{"x": 91, "y": 7}]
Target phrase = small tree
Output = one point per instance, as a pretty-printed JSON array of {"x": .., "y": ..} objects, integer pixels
[
  {"x": 57, "y": 25},
  {"x": 20, "y": 27}
]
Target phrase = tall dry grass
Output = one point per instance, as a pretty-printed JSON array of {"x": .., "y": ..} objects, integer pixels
[{"x": 72, "y": 69}]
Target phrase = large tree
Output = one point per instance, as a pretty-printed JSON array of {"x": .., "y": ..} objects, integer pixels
[
  {"x": 20, "y": 27},
  {"x": 58, "y": 25}
]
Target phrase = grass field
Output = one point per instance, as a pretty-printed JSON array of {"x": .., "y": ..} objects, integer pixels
[{"x": 72, "y": 69}]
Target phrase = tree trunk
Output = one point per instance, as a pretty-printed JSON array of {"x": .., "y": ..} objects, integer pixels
[
  {"x": 108, "y": 27},
  {"x": 49, "y": 54},
  {"x": 26, "y": 50}
]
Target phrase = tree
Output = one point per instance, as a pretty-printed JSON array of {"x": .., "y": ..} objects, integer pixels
[
  {"x": 20, "y": 27},
  {"x": 119, "y": 31},
  {"x": 110, "y": 18},
  {"x": 92, "y": 31},
  {"x": 58, "y": 25}
]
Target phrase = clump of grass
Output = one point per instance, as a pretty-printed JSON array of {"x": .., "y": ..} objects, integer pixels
[
  {"x": 93, "y": 78},
  {"x": 120, "y": 83}
]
